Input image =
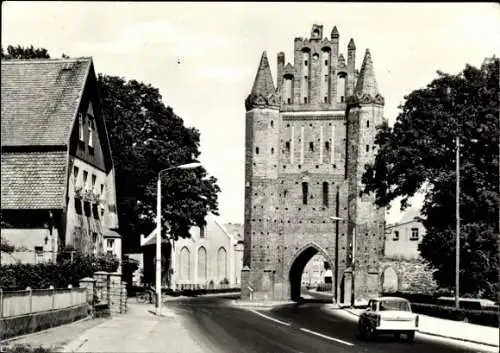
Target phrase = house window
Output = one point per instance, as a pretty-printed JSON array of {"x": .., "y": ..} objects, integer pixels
[
  {"x": 289, "y": 100},
  {"x": 109, "y": 252},
  {"x": 78, "y": 206},
  {"x": 202, "y": 232},
  {"x": 414, "y": 234},
  {"x": 311, "y": 146},
  {"x": 367, "y": 148},
  {"x": 94, "y": 237},
  {"x": 102, "y": 189},
  {"x": 95, "y": 211},
  {"x": 326, "y": 62},
  {"x": 81, "y": 121},
  {"x": 327, "y": 145},
  {"x": 305, "y": 191},
  {"x": 305, "y": 63},
  {"x": 85, "y": 175},
  {"x": 110, "y": 243},
  {"x": 326, "y": 99},
  {"x": 75, "y": 174},
  {"x": 102, "y": 212},
  {"x": 368, "y": 123},
  {"x": 396, "y": 235},
  {"x": 91, "y": 129},
  {"x": 38, "y": 254},
  {"x": 93, "y": 181},
  {"x": 305, "y": 100},
  {"x": 256, "y": 150},
  {"x": 287, "y": 144},
  {"x": 272, "y": 123},
  {"x": 272, "y": 150},
  {"x": 325, "y": 194}
]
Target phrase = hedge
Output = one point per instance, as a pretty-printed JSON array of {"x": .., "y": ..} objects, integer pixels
[
  {"x": 480, "y": 317},
  {"x": 61, "y": 274}
]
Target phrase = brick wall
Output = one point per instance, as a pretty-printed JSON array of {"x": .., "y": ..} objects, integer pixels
[{"x": 292, "y": 150}]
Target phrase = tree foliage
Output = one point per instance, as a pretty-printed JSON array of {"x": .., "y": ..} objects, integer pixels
[
  {"x": 147, "y": 137},
  {"x": 19, "y": 52},
  {"x": 418, "y": 153}
]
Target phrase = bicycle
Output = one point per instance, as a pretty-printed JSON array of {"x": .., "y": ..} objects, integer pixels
[{"x": 145, "y": 297}]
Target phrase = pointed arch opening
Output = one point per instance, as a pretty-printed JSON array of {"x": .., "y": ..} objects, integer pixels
[
  {"x": 299, "y": 263},
  {"x": 222, "y": 264},
  {"x": 202, "y": 265},
  {"x": 185, "y": 265}
]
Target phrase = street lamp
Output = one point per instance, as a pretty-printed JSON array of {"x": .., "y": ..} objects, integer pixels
[{"x": 158, "y": 230}]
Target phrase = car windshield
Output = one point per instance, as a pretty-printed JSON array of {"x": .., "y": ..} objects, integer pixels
[{"x": 398, "y": 305}]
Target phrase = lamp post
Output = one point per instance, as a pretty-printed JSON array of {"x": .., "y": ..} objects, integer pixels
[
  {"x": 158, "y": 230},
  {"x": 336, "y": 219}
]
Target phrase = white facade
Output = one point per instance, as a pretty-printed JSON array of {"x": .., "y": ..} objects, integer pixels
[
  {"x": 402, "y": 238},
  {"x": 208, "y": 258}
]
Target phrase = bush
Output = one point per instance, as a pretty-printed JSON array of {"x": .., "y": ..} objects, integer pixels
[
  {"x": 66, "y": 271},
  {"x": 26, "y": 348},
  {"x": 479, "y": 317}
]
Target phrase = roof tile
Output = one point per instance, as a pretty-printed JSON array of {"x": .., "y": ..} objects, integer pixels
[{"x": 33, "y": 180}]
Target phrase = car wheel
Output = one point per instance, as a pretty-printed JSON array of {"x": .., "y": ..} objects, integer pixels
[
  {"x": 397, "y": 336},
  {"x": 362, "y": 331},
  {"x": 410, "y": 336},
  {"x": 372, "y": 333}
]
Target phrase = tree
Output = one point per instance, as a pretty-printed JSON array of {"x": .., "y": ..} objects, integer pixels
[
  {"x": 418, "y": 153},
  {"x": 147, "y": 137}
]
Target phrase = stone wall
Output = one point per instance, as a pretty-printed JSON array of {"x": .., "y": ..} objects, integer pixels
[
  {"x": 406, "y": 276},
  {"x": 107, "y": 288}
]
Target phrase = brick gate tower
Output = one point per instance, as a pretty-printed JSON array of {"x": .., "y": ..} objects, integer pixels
[{"x": 307, "y": 142}]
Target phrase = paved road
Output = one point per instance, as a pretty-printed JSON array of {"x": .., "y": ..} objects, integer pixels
[{"x": 297, "y": 328}]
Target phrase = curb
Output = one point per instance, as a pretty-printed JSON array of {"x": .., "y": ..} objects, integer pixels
[
  {"x": 458, "y": 339},
  {"x": 442, "y": 336},
  {"x": 258, "y": 306},
  {"x": 50, "y": 329}
]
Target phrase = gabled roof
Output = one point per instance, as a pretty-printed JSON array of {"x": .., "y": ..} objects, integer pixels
[
  {"x": 40, "y": 99},
  {"x": 33, "y": 180}
]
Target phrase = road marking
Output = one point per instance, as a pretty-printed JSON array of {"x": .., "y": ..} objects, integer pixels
[
  {"x": 327, "y": 337},
  {"x": 270, "y": 318}
]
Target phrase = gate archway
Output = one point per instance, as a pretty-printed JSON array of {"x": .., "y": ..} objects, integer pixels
[{"x": 299, "y": 262}]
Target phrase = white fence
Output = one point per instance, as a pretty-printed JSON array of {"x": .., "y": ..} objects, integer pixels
[{"x": 29, "y": 301}]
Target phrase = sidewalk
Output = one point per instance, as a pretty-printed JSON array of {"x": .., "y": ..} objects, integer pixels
[
  {"x": 457, "y": 330},
  {"x": 139, "y": 330}
]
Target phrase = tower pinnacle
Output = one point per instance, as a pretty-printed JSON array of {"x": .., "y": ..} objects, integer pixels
[
  {"x": 335, "y": 32},
  {"x": 366, "y": 90},
  {"x": 351, "y": 44},
  {"x": 263, "y": 91}
]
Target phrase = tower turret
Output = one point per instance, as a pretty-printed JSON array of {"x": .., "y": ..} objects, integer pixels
[
  {"x": 351, "y": 64},
  {"x": 262, "y": 152},
  {"x": 364, "y": 113},
  {"x": 335, "y": 40},
  {"x": 281, "y": 65}
]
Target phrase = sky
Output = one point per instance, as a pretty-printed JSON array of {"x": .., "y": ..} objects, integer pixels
[{"x": 203, "y": 56}]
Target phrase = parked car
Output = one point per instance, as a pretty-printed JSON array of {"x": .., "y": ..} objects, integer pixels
[{"x": 388, "y": 315}]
